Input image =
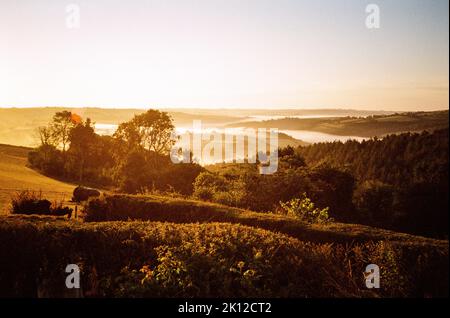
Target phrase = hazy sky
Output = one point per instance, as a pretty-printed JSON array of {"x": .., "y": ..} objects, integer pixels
[{"x": 228, "y": 53}]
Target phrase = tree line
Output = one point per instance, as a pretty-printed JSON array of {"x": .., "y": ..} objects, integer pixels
[{"x": 134, "y": 160}]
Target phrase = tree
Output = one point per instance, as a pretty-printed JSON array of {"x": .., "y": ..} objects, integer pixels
[
  {"x": 82, "y": 141},
  {"x": 335, "y": 190},
  {"x": 152, "y": 130},
  {"x": 375, "y": 200},
  {"x": 290, "y": 158},
  {"x": 45, "y": 135},
  {"x": 47, "y": 159},
  {"x": 62, "y": 123},
  {"x": 134, "y": 175}
]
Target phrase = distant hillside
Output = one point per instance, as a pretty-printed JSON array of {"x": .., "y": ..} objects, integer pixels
[
  {"x": 371, "y": 126},
  {"x": 14, "y": 176},
  {"x": 325, "y": 112},
  {"x": 18, "y": 125}
]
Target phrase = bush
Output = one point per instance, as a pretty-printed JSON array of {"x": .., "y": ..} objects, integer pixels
[
  {"x": 305, "y": 210},
  {"x": 83, "y": 194},
  {"x": 375, "y": 201},
  {"x": 157, "y": 208},
  {"x": 59, "y": 209},
  {"x": 151, "y": 259},
  {"x": 205, "y": 194},
  {"x": 327, "y": 186},
  {"x": 29, "y": 202},
  {"x": 48, "y": 159}
]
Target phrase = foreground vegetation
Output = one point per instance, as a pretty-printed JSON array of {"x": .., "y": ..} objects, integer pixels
[
  {"x": 152, "y": 259},
  {"x": 166, "y": 209}
]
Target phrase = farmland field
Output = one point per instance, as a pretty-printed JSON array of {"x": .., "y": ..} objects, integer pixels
[{"x": 16, "y": 176}]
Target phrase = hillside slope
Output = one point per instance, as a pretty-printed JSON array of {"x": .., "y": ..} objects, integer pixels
[
  {"x": 358, "y": 126},
  {"x": 16, "y": 176}
]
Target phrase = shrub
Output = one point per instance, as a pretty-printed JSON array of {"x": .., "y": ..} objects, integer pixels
[
  {"x": 82, "y": 194},
  {"x": 205, "y": 194},
  {"x": 157, "y": 208},
  {"x": 152, "y": 259},
  {"x": 305, "y": 210},
  {"x": 48, "y": 159},
  {"x": 29, "y": 202},
  {"x": 59, "y": 209},
  {"x": 375, "y": 201}
]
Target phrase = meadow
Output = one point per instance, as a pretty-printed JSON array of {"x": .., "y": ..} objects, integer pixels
[{"x": 16, "y": 176}]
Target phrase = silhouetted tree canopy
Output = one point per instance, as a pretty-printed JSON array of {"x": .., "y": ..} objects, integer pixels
[{"x": 152, "y": 130}]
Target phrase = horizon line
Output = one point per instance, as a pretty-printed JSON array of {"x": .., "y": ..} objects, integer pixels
[{"x": 226, "y": 108}]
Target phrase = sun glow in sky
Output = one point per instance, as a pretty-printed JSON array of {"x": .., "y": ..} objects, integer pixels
[{"x": 229, "y": 53}]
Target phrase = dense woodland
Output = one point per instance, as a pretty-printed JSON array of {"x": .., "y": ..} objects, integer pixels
[
  {"x": 402, "y": 180},
  {"x": 399, "y": 182},
  {"x": 396, "y": 159}
]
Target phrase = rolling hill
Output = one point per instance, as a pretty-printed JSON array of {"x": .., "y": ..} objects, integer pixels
[
  {"x": 379, "y": 125},
  {"x": 16, "y": 176}
]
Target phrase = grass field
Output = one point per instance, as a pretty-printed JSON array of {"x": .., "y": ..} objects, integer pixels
[{"x": 16, "y": 176}]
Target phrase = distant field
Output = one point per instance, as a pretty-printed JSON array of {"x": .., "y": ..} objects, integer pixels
[
  {"x": 380, "y": 125},
  {"x": 15, "y": 176}
]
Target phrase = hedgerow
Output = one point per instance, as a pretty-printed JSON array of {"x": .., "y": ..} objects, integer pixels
[
  {"x": 121, "y": 207},
  {"x": 153, "y": 259}
]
